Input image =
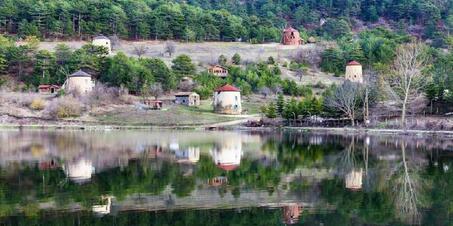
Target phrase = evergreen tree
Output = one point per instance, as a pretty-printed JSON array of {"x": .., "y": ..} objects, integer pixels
[
  {"x": 280, "y": 103},
  {"x": 183, "y": 66},
  {"x": 236, "y": 59}
]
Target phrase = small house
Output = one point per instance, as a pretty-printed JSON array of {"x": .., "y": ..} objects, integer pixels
[
  {"x": 291, "y": 36},
  {"x": 154, "y": 104},
  {"x": 102, "y": 41},
  {"x": 291, "y": 213},
  {"x": 189, "y": 155},
  {"x": 187, "y": 98},
  {"x": 48, "y": 89},
  {"x": 353, "y": 180},
  {"x": 354, "y": 72},
  {"x": 227, "y": 100},
  {"x": 79, "y": 82},
  {"x": 219, "y": 71}
]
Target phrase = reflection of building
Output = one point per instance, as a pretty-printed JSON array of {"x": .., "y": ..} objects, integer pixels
[
  {"x": 218, "y": 181},
  {"x": 353, "y": 179},
  {"x": 191, "y": 154},
  {"x": 103, "y": 209},
  {"x": 80, "y": 171},
  {"x": 227, "y": 155},
  {"x": 227, "y": 100},
  {"x": 291, "y": 213}
]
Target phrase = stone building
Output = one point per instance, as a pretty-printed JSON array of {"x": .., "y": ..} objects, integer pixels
[
  {"x": 102, "y": 41},
  {"x": 354, "y": 72},
  {"x": 79, "y": 82},
  {"x": 227, "y": 100},
  {"x": 48, "y": 89},
  {"x": 218, "y": 71},
  {"x": 291, "y": 36},
  {"x": 187, "y": 98}
]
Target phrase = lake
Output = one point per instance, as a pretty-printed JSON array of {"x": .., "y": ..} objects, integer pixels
[{"x": 223, "y": 178}]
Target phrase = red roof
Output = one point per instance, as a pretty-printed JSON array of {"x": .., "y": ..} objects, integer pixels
[
  {"x": 354, "y": 63},
  {"x": 227, "y": 88},
  {"x": 227, "y": 167},
  {"x": 47, "y": 86}
]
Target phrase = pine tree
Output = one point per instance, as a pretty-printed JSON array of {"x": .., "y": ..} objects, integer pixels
[{"x": 280, "y": 104}]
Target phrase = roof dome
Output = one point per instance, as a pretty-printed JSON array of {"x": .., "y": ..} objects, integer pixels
[
  {"x": 227, "y": 167},
  {"x": 228, "y": 88},
  {"x": 80, "y": 73},
  {"x": 352, "y": 63}
]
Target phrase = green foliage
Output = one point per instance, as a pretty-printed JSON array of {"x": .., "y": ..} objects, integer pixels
[
  {"x": 183, "y": 66},
  {"x": 270, "y": 110},
  {"x": 270, "y": 60},
  {"x": 280, "y": 103},
  {"x": 162, "y": 74},
  {"x": 207, "y": 84},
  {"x": 303, "y": 108},
  {"x": 236, "y": 59},
  {"x": 336, "y": 28},
  {"x": 222, "y": 60},
  {"x": 333, "y": 61}
]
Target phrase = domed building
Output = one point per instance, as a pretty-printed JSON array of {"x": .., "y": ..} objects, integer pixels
[
  {"x": 227, "y": 155},
  {"x": 353, "y": 180},
  {"x": 79, "y": 82},
  {"x": 291, "y": 36},
  {"x": 354, "y": 72},
  {"x": 102, "y": 41},
  {"x": 79, "y": 171},
  {"x": 227, "y": 100}
]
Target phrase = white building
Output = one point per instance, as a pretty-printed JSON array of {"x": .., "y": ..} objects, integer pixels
[
  {"x": 80, "y": 82},
  {"x": 102, "y": 41},
  {"x": 79, "y": 171},
  {"x": 189, "y": 155},
  {"x": 227, "y": 100},
  {"x": 354, "y": 72},
  {"x": 227, "y": 155}
]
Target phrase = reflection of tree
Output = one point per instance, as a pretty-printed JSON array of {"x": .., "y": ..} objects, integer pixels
[{"x": 407, "y": 189}]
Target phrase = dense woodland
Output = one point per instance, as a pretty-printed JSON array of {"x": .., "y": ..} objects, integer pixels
[{"x": 251, "y": 20}]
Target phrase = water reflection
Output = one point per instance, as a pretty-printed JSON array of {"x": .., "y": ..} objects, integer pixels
[{"x": 371, "y": 179}]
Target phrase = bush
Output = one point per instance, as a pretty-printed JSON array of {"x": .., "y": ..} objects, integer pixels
[
  {"x": 64, "y": 107},
  {"x": 37, "y": 104}
]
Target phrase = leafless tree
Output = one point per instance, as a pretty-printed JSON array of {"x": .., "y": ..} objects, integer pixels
[
  {"x": 346, "y": 99},
  {"x": 265, "y": 91},
  {"x": 140, "y": 50},
  {"x": 170, "y": 48},
  {"x": 408, "y": 78},
  {"x": 311, "y": 56},
  {"x": 407, "y": 188},
  {"x": 156, "y": 90}
]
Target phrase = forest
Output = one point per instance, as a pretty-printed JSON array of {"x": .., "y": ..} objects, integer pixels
[{"x": 226, "y": 20}]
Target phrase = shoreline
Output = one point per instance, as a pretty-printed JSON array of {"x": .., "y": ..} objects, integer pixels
[{"x": 330, "y": 130}]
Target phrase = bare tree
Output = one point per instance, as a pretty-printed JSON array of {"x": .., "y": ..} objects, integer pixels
[
  {"x": 408, "y": 78},
  {"x": 407, "y": 188},
  {"x": 346, "y": 99},
  {"x": 140, "y": 50},
  {"x": 170, "y": 48},
  {"x": 156, "y": 90},
  {"x": 311, "y": 56},
  {"x": 265, "y": 91}
]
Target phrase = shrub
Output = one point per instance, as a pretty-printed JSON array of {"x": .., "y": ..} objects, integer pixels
[
  {"x": 64, "y": 107},
  {"x": 37, "y": 104}
]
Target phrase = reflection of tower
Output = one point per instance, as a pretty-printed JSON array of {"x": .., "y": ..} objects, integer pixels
[
  {"x": 190, "y": 154},
  {"x": 80, "y": 171},
  {"x": 227, "y": 155},
  {"x": 103, "y": 209},
  {"x": 353, "y": 180},
  {"x": 291, "y": 213}
]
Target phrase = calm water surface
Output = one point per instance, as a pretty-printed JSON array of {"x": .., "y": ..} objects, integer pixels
[{"x": 223, "y": 178}]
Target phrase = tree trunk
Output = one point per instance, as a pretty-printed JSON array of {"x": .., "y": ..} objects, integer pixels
[{"x": 403, "y": 113}]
